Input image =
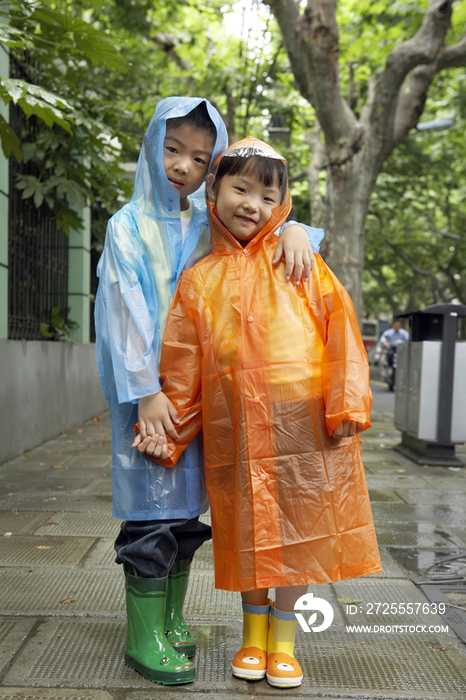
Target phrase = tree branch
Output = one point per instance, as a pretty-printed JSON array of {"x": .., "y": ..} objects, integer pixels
[
  {"x": 411, "y": 101},
  {"x": 385, "y": 290},
  {"x": 311, "y": 41},
  {"x": 167, "y": 43},
  {"x": 286, "y": 12},
  {"x": 413, "y": 93},
  {"x": 367, "y": 109},
  {"x": 418, "y": 270},
  {"x": 422, "y": 49},
  {"x": 230, "y": 117},
  {"x": 453, "y": 56},
  {"x": 297, "y": 178},
  {"x": 318, "y": 35}
]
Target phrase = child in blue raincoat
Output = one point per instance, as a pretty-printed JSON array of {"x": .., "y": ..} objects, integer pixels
[{"x": 163, "y": 230}]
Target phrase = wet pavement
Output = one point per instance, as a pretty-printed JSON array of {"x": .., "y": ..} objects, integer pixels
[{"x": 62, "y": 620}]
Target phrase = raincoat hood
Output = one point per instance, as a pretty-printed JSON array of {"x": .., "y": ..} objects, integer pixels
[
  {"x": 150, "y": 173},
  {"x": 222, "y": 241}
]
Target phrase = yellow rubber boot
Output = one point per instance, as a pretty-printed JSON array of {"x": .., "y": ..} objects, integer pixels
[
  {"x": 283, "y": 671},
  {"x": 251, "y": 660}
]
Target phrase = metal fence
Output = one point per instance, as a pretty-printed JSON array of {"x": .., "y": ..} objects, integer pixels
[{"x": 37, "y": 249}]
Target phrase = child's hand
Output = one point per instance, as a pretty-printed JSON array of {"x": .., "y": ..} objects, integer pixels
[
  {"x": 156, "y": 416},
  {"x": 294, "y": 245},
  {"x": 347, "y": 428},
  {"x": 153, "y": 446}
]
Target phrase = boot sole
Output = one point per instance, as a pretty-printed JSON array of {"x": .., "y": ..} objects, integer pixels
[
  {"x": 162, "y": 677},
  {"x": 248, "y": 675},
  {"x": 284, "y": 682}
]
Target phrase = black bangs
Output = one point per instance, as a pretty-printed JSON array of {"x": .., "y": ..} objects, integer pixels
[
  {"x": 198, "y": 118},
  {"x": 270, "y": 171}
]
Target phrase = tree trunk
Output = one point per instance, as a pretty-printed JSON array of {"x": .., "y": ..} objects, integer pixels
[
  {"x": 350, "y": 182},
  {"x": 317, "y": 146}
]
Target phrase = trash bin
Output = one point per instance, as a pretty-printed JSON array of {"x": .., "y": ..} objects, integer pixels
[{"x": 430, "y": 386}]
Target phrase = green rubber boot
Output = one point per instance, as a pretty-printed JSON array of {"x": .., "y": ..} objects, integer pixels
[
  {"x": 147, "y": 649},
  {"x": 176, "y": 629}
]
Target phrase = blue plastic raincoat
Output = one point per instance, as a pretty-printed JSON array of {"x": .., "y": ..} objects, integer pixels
[{"x": 143, "y": 257}]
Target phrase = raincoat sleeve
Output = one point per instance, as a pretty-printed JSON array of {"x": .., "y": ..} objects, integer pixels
[
  {"x": 315, "y": 235},
  {"x": 180, "y": 368},
  {"x": 345, "y": 368},
  {"x": 127, "y": 316}
]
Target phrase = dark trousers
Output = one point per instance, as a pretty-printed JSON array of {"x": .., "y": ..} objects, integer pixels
[{"x": 152, "y": 546}]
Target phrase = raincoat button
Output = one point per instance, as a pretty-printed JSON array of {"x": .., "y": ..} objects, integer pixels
[
  {"x": 256, "y": 399},
  {"x": 250, "y": 319},
  {"x": 170, "y": 199},
  {"x": 170, "y": 208},
  {"x": 263, "y": 477}
]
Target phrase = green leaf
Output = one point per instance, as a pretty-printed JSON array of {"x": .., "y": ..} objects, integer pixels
[
  {"x": 13, "y": 37},
  {"x": 68, "y": 219},
  {"x": 44, "y": 330},
  {"x": 10, "y": 142},
  {"x": 35, "y": 100},
  {"x": 38, "y": 196},
  {"x": 28, "y": 192},
  {"x": 12, "y": 89},
  {"x": 45, "y": 95}
]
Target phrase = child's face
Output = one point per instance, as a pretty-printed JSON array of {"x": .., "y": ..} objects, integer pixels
[
  {"x": 186, "y": 156},
  {"x": 244, "y": 204}
]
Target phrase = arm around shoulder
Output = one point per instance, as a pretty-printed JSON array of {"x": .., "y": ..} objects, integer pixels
[{"x": 297, "y": 245}]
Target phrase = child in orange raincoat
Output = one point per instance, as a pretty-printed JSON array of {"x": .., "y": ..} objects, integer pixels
[{"x": 277, "y": 376}]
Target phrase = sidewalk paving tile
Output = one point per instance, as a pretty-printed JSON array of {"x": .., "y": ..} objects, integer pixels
[
  {"x": 64, "y": 592},
  {"x": 382, "y": 495},
  {"x": 457, "y": 535},
  {"x": 395, "y": 480},
  {"x": 102, "y": 555},
  {"x": 423, "y": 512},
  {"x": 410, "y": 535},
  {"x": 390, "y": 568},
  {"x": 377, "y": 455},
  {"x": 56, "y": 501},
  {"x": 417, "y": 495},
  {"x": 21, "y": 550},
  {"x": 13, "y": 633},
  {"x": 98, "y": 487},
  {"x": 55, "y": 694},
  {"x": 20, "y": 522},
  {"x": 80, "y": 524}
]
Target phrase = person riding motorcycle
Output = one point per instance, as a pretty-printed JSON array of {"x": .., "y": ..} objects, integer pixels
[{"x": 390, "y": 340}]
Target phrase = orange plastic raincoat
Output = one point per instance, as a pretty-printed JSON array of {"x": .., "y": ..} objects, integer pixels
[{"x": 268, "y": 369}]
